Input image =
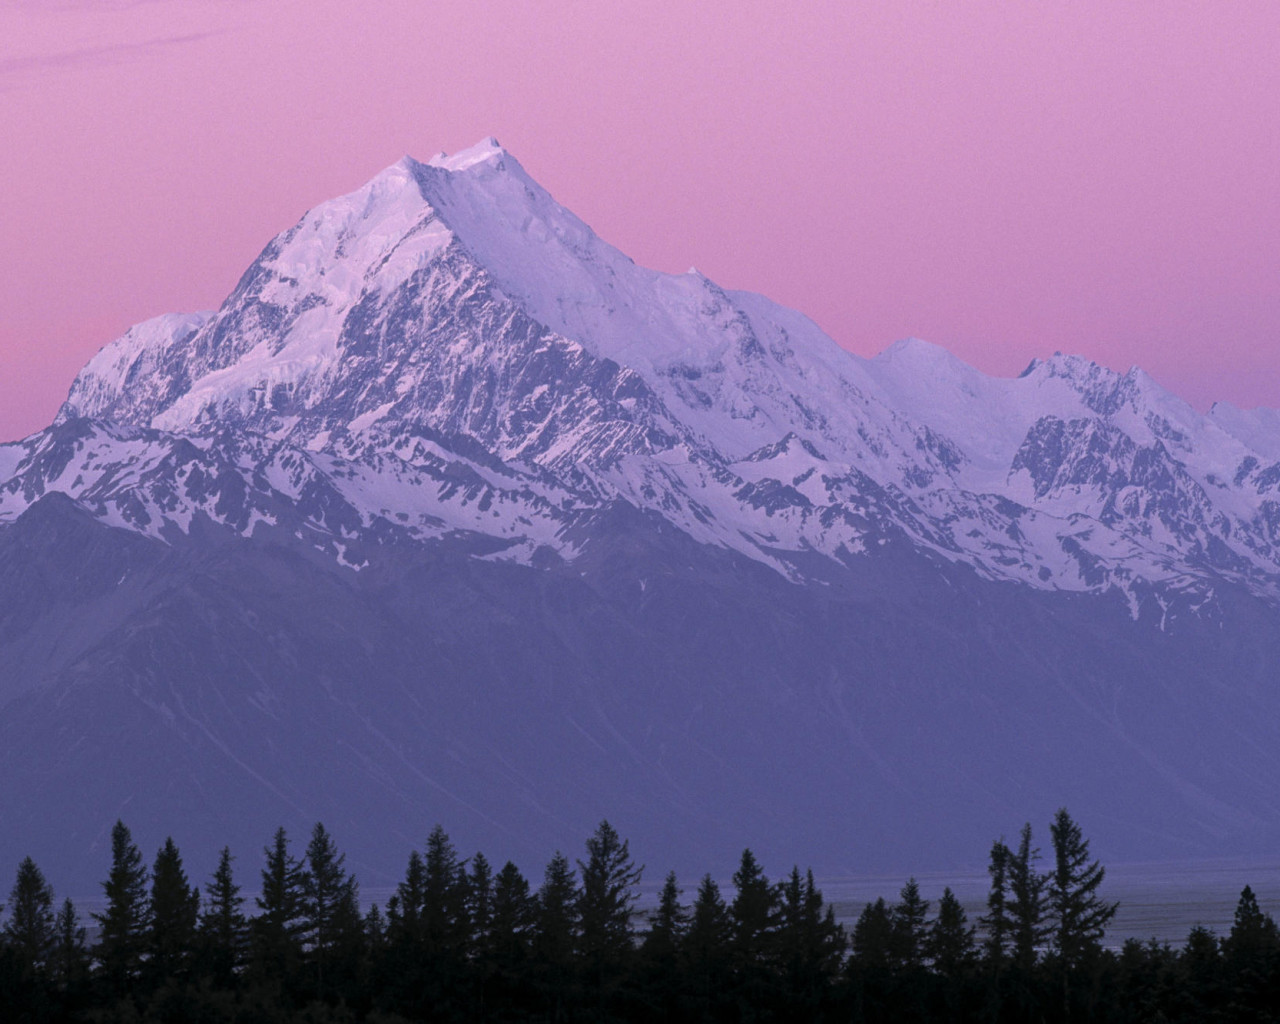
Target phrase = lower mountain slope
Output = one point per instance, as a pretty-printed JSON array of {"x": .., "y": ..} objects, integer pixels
[{"x": 896, "y": 716}]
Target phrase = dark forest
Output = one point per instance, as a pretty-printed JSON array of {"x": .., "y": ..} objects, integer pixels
[{"x": 461, "y": 940}]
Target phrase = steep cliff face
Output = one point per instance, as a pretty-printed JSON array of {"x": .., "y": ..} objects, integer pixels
[{"x": 452, "y": 511}]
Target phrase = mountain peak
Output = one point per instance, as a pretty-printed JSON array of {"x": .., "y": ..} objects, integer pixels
[
  {"x": 485, "y": 150},
  {"x": 1092, "y": 379},
  {"x": 1080, "y": 371},
  {"x": 913, "y": 359},
  {"x": 916, "y": 352}
]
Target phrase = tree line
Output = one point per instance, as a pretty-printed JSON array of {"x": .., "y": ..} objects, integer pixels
[{"x": 459, "y": 941}]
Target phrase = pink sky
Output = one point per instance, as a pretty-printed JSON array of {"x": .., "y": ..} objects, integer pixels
[{"x": 1006, "y": 179}]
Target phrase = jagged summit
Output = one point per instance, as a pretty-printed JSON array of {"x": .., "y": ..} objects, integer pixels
[{"x": 485, "y": 149}]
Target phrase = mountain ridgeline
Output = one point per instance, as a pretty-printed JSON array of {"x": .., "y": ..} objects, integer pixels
[{"x": 452, "y": 512}]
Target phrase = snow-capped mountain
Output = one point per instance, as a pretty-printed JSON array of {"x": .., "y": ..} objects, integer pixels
[
  {"x": 448, "y": 365},
  {"x": 452, "y": 311}
]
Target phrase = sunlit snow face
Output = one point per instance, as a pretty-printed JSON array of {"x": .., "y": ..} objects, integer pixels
[{"x": 1004, "y": 183}]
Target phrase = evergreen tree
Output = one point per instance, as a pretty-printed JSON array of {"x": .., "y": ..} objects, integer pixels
[
  {"x": 998, "y": 929},
  {"x": 445, "y": 927},
  {"x": 556, "y": 933},
  {"x": 754, "y": 910},
  {"x": 375, "y": 949},
  {"x": 513, "y": 920},
  {"x": 502, "y": 946},
  {"x": 1200, "y": 971},
  {"x": 950, "y": 942},
  {"x": 70, "y": 958},
  {"x": 710, "y": 925},
  {"x": 873, "y": 941},
  {"x": 909, "y": 927},
  {"x": 997, "y": 945},
  {"x": 1080, "y": 916},
  {"x": 224, "y": 929},
  {"x": 31, "y": 931},
  {"x": 706, "y": 948},
  {"x": 1252, "y": 929},
  {"x": 1251, "y": 961},
  {"x": 810, "y": 943},
  {"x": 331, "y": 924},
  {"x": 661, "y": 950},
  {"x": 405, "y": 908},
  {"x": 753, "y": 915},
  {"x": 276, "y": 931},
  {"x": 872, "y": 966},
  {"x": 479, "y": 902},
  {"x": 609, "y": 877},
  {"x": 667, "y": 926},
  {"x": 950, "y": 947},
  {"x": 1141, "y": 974},
  {"x": 402, "y": 970},
  {"x": 123, "y": 925},
  {"x": 429, "y": 931},
  {"x": 1028, "y": 902},
  {"x": 375, "y": 931},
  {"x": 173, "y": 914}
]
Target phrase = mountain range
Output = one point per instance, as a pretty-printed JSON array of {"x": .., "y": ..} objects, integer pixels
[{"x": 451, "y": 512}]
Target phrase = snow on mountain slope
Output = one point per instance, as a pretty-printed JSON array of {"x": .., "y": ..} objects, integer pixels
[
  {"x": 130, "y": 363},
  {"x": 153, "y": 483},
  {"x": 452, "y": 313},
  {"x": 1069, "y": 437},
  {"x": 990, "y": 418},
  {"x": 737, "y": 367},
  {"x": 1258, "y": 429},
  {"x": 466, "y": 224}
]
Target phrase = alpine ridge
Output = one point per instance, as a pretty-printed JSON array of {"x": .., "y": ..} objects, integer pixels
[{"x": 453, "y": 512}]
